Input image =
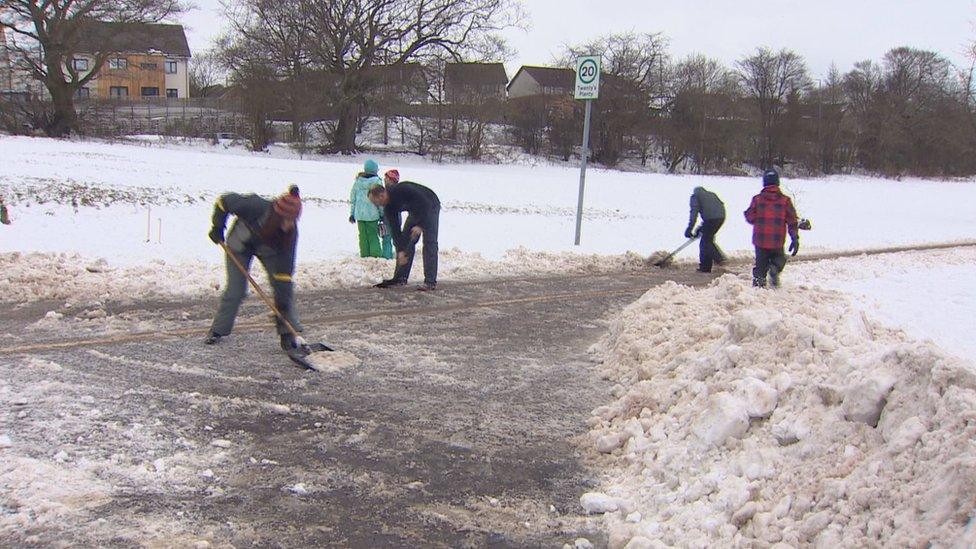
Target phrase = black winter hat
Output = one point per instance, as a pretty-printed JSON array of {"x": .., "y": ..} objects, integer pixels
[{"x": 770, "y": 177}]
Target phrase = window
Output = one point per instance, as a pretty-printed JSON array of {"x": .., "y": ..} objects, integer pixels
[
  {"x": 172, "y": 93},
  {"x": 118, "y": 91},
  {"x": 150, "y": 92},
  {"x": 148, "y": 66},
  {"x": 118, "y": 64},
  {"x": 80, "y": 64},
  {"x": 83, "y": 93},
  {"x": 171, "y": 67}
]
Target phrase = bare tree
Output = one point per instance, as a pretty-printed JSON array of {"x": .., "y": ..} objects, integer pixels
[
  {"x": 349, "y": 37},
  {"x": 563, "y": 127},
  {"x": 206, "y": 74},
  {"x": 636, "y": 67},
  {"x": 528, "y": 123},
  {"x": 770, "y": 79},
  {"x": 701, "y": 100},
  {"x": 44, "y": 36},
  {"x": 274, "y": 35}
]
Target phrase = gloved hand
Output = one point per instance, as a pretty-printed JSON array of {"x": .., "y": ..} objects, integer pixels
[
  {"x": 794, "y": 246},
  {"x": 216, "y": 235},
  {"x": 352, "y": 219},
  {"x": 688, "y": 232}
]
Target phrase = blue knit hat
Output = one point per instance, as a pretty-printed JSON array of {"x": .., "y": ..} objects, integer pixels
[
  {"x": 371, "y": 167},
  {"x": 770, "y": 178}
]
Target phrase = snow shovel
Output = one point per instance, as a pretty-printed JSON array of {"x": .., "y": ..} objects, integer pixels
[
  {"x": 300, "y": 354},
  {"x": 668, "y": 258}
]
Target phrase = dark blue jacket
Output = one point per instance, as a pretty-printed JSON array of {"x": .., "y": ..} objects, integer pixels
[{"x": 420, "y": 203}]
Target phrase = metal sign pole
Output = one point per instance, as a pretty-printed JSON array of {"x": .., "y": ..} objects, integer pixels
[
  {"x": 586, "y": 156},
  {"x": 587, "y": 89}
]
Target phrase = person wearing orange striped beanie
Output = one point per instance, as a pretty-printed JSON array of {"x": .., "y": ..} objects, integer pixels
[{"x": 268, "y": 230}]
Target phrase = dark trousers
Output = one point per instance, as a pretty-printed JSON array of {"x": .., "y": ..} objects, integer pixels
[
  {"x": 708, "y": 250},
  {"x": 402, "y": 272},
  {"x": 768, "y": 262},
  {"x": 236, "y": 289}
]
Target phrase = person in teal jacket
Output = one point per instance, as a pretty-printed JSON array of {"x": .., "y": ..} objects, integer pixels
[{"x": 363, "y": 213}]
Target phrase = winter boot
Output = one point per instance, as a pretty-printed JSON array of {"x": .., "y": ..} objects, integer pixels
[
  {"x": 758, "y": 282},
  {"x": 288, "y": 342},
  {"x": 390, "y": 282},
  {"x": 212, "y": 339},
  {"x": 774, "y": 276},
  {"x": 427, "y": 287}
]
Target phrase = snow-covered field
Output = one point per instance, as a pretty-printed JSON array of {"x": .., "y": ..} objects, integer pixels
[
  {"x": 488, "y": 209},
  {"x": 141, "y": 211},
  {"x": 931, "y": 295}
]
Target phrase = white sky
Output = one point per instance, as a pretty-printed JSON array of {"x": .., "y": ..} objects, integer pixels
[{"x": 823, "y": 31}]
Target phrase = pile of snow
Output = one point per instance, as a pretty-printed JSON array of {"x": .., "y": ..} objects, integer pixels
[
  {"x": 26, "y": 277},
  {"x": 749, "y": 418}
]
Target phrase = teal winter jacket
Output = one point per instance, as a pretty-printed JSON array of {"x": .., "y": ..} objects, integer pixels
[{"x": 361, "y": 208}]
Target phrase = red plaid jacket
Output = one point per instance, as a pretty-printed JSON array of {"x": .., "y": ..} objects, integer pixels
[{"x": 771, "y": 214}]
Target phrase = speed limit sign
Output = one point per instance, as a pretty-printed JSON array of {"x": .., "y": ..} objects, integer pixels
[{"x": 588, "y": 77}]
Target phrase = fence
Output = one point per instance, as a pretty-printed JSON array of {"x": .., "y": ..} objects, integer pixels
[{"x": 194, "y": 117}]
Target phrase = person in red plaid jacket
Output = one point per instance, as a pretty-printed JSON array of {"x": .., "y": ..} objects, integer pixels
[{"x": 771, "y": 215}]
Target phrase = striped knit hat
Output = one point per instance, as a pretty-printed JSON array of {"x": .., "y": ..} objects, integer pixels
[{"x": 289, "y": 205}]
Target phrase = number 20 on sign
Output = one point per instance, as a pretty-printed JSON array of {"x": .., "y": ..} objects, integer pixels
[{"x": 588, "y": 77}]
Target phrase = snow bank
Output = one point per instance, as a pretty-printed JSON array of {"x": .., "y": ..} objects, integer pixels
[
  {"x": 747, "y": 417},
  {"x": 930, "y": 295},
  {"x": 28, "y": 277}
]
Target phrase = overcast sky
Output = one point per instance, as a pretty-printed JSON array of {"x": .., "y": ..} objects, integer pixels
[{"x": 823, "y": 31}]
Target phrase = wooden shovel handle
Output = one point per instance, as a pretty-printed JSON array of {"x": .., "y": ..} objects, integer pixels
[{"x": 267, "y": 300}]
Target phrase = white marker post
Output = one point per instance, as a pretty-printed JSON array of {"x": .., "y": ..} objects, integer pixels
[{"x": 587, "y": 89}]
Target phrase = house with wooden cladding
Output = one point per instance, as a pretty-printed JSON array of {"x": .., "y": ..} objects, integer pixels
[{"x": 146, "y": 61}]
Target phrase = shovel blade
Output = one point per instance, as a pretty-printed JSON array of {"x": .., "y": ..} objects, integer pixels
[{"x": 300, "y": 354}]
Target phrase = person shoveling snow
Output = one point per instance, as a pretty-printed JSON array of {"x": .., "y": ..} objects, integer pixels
[
  {"x": 268, "y": 230},
  {"x": 712, "y": 211}
]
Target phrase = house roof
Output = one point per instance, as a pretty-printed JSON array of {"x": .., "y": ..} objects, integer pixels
[
  {"x": 100, "y": 36},
  {"x": 404, "y": 73},
  {"x": 548, "y": 77},
  {"x": 475, "y": 74}
]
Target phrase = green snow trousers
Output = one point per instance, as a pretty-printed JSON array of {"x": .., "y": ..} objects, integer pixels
[{"x": 369, "y": 239}]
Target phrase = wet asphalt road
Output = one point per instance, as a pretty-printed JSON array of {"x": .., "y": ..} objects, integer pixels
[{"x": 460, "y": 428}]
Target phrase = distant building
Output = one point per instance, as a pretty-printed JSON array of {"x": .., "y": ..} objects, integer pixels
[
  {"x": 466, "y": 83},
  {"x": 406, "y": 83},
  {"x": 147, "y": 60},
  {"x": 14, "y": 81},
  {"x": 531, "y": 81}
]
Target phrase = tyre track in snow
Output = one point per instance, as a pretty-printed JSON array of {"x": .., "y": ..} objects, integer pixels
[{"x": 736, "y": 265}]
